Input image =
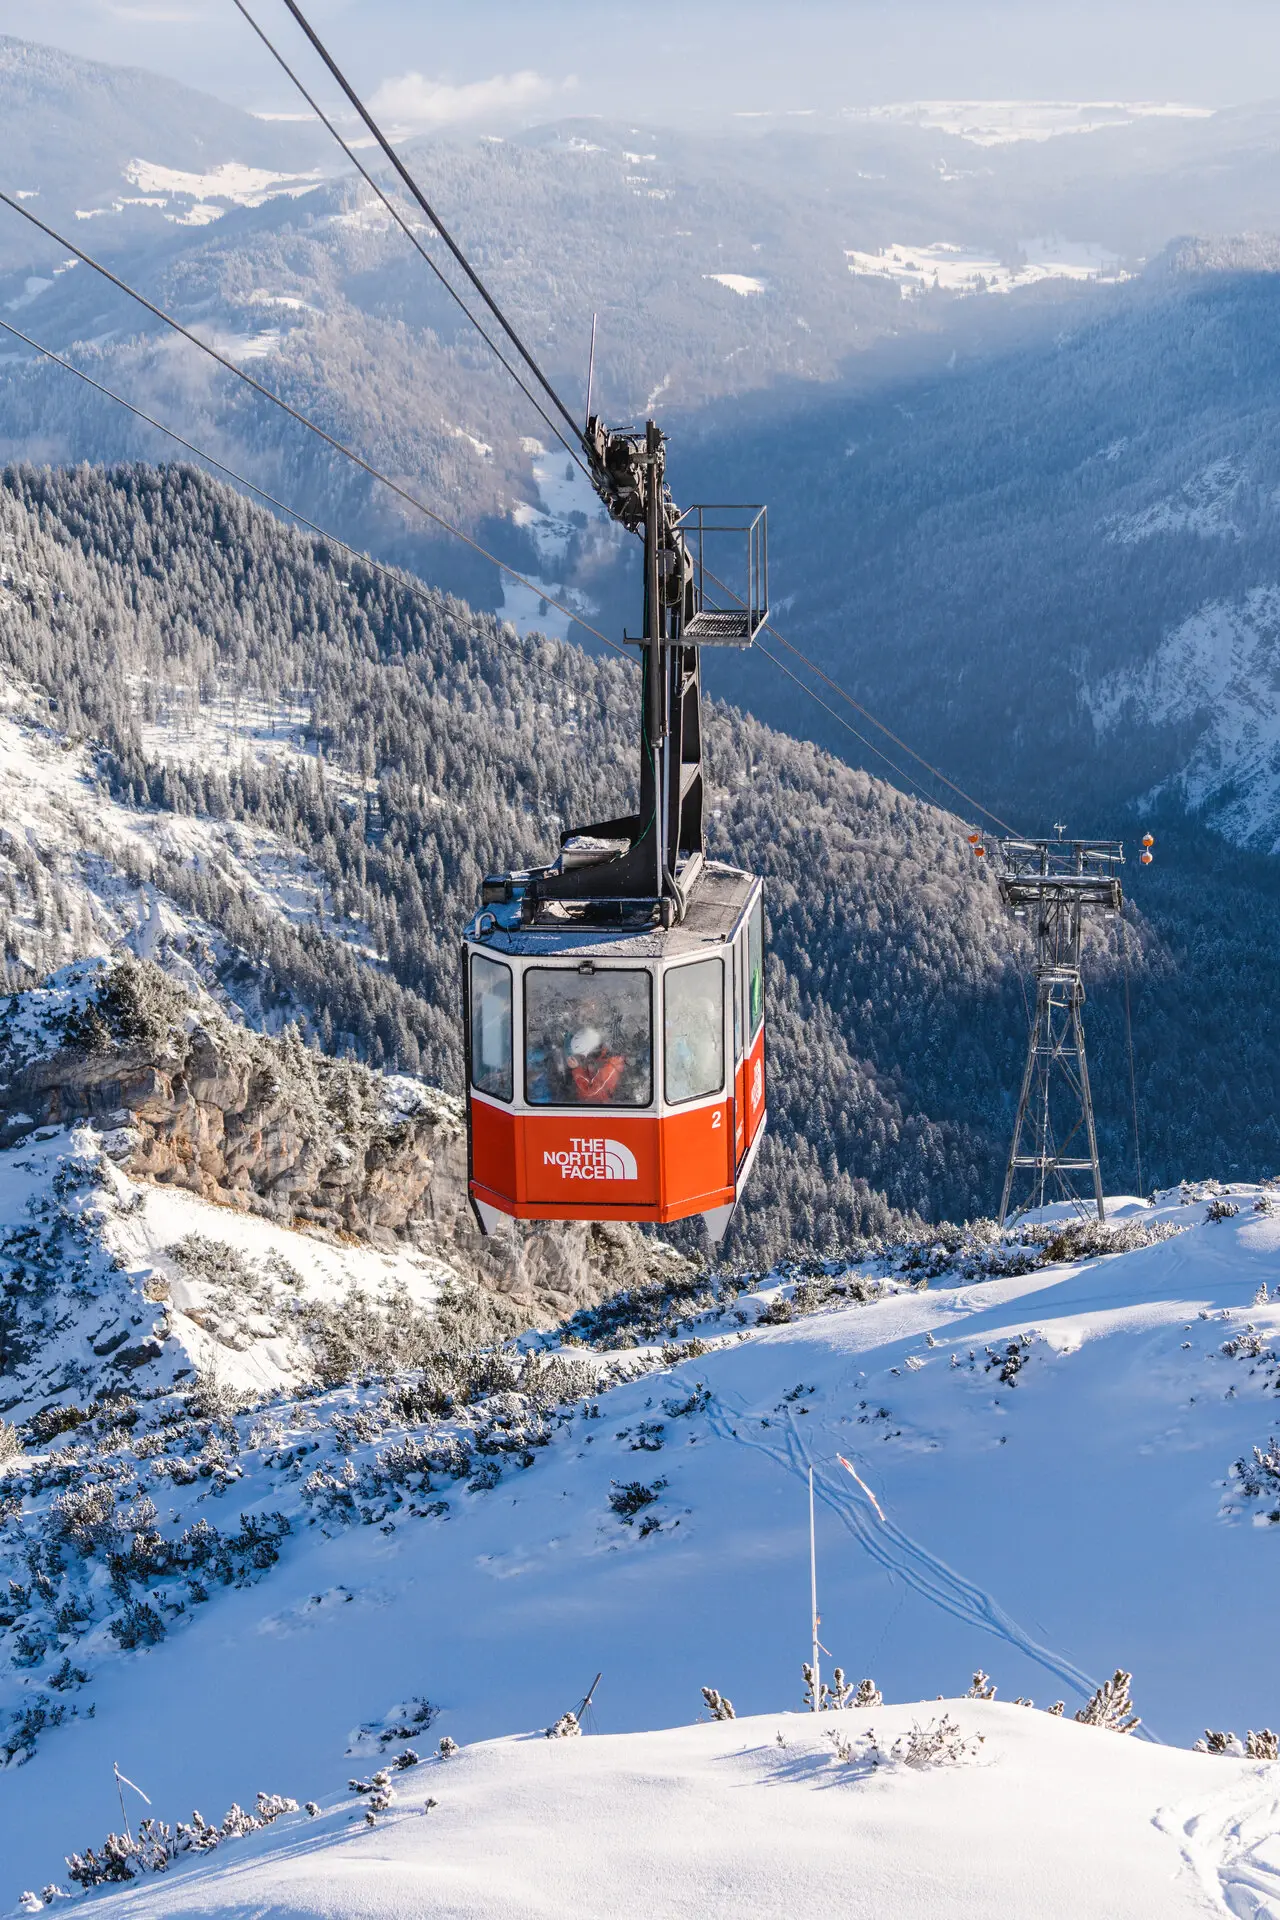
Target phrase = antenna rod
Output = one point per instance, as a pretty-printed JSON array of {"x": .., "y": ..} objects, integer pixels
[
  {"x": 813, "y": 1595},
  {"x": 591, "y": 367}
]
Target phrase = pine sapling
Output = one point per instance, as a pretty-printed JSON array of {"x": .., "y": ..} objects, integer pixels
[
  {"x": 1263, "y": 1745},
  {"x": 1111, "y": 1707},
  {"x": 565, "y": 1728},
  {"x": 841, "y": 1691},
  {"x": 447, "y": 1748},
  {"x": 868, "y": 1695},
  {"x": 1224, "y": 1743},
  {"x": 983, "y": 1688},
  {"x": 717, "y": 1706}
]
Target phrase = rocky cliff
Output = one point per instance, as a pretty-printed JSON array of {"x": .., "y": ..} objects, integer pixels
[{"x": 183, "y": 1096}]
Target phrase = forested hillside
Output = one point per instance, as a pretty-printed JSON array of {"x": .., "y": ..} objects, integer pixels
[{"x": 426, "y": 743}]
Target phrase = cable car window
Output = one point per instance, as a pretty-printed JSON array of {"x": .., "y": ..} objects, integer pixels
[
  {"x": 737, "y": 1001},
  {"x": 588, "y": 1038},
  {"x": 755, "y": 967},
  {"x": 694, "y": 1030},
  {"x": 491, "y": 1048}
]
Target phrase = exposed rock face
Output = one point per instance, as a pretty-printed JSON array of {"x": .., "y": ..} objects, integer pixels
[{"x": 184, "y": 1097}]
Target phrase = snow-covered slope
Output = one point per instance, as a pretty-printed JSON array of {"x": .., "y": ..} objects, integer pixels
[
  {"x": 1215, "y": 678},
  {"x": 759, "y": 1817},
  {"x": 1054, "y": 1454},
  {"x": 82, "y": 872},
  {"x": 114, "y": 1284}
]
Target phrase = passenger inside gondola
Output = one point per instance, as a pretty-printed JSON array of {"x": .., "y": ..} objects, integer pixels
[{"x": 588, "y": 1038}]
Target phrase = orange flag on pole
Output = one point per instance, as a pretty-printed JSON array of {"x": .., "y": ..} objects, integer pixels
[{"x": 861, "y": 1482}]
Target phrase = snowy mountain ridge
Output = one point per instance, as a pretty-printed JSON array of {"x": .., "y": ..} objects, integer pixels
[{"x": 1215, "y": 678}]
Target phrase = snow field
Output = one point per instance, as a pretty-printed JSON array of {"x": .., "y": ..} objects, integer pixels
[
  {"x": 951, "y": 268},
  {"x": 1059, "y": 1501},
  {"x": 566, "y": 506},
  {"x": 997, "y": 123},
  {"x": 755, "y": 1818}
]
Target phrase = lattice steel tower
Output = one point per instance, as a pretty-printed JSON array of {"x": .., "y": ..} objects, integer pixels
[{"x": 1052, "y": 884}]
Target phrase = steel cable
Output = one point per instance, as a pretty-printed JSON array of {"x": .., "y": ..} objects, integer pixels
[
  {"x": 330, "y": 439},
  {"x": 417, "y": 193},
  {"x": 570, "y": 448}
]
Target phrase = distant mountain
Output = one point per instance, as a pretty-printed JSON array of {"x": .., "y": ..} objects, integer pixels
[
  {"x": 86, "y": 143},
  {"x": 777, "y": 267},
  {"x": 1058, "y": 570}
]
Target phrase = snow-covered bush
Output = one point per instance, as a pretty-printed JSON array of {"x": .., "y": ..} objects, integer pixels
[
  {"x": 10, "y": 1442},
  {"x": 448, "y": 1747},
  {"x": 1260, "y": 1477},
  {"x": 840, "y": 1692},
  {"x": 139, "y": 1625},
  {"x": 565, "y": 1728},
  {"x": 1225, "y": 1743},
  {"x": 1111, "y": 1706},
  {"x": 981, "y": 1687},
  {"x": 1221, "y": 1210},
  {"x": 1263, "y": 1745},
  {"x": 154, "y": 1846},
  {"x": 717, "y": 1705},
  {"x": 939, "y": 1743},
  {"x": 1089, "y": 1239},
  {"x": 629, "y": 1497},
  {"x": 408, "y": 1720},
  {"x": 51, "y": 1421},
  {"x": 850, "y": 1748},
  {"x": 382, "y": 1793}
]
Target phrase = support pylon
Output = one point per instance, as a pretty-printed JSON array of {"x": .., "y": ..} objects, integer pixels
[{"x": 1053, "y": 884}]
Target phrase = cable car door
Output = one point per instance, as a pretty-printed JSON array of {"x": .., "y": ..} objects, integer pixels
[
  {"x": 752, "y": 940},
  {"x": 739, "y": 1028}
]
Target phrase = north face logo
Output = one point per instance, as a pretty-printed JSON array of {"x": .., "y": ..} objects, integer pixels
[{"x": 594, "y": 1160}]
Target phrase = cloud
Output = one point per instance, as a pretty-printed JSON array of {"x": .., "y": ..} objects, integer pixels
[
  {"x": 415, "y": 101},
  {"x": 154, "y": 13}
]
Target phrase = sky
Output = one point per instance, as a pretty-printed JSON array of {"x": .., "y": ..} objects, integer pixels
[{"x": 702, "y": 58}]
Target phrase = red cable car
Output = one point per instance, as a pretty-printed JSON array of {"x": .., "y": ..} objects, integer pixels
[{"x": 614, "y": 999}]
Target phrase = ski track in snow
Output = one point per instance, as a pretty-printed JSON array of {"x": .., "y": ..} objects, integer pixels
[
  {"x": 1234, "y": 1849},
  {"x": 898, "y": 1553}
]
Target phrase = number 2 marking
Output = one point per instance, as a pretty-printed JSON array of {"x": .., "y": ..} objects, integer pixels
[{"x": 716, "y": 1118}]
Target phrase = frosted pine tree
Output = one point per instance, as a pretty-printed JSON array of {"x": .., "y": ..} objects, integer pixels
[
  {"x": 717, "y": 1706},
  {"x": 1111, "y": 1707},
  {"x": 565, "y": 1728}
]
